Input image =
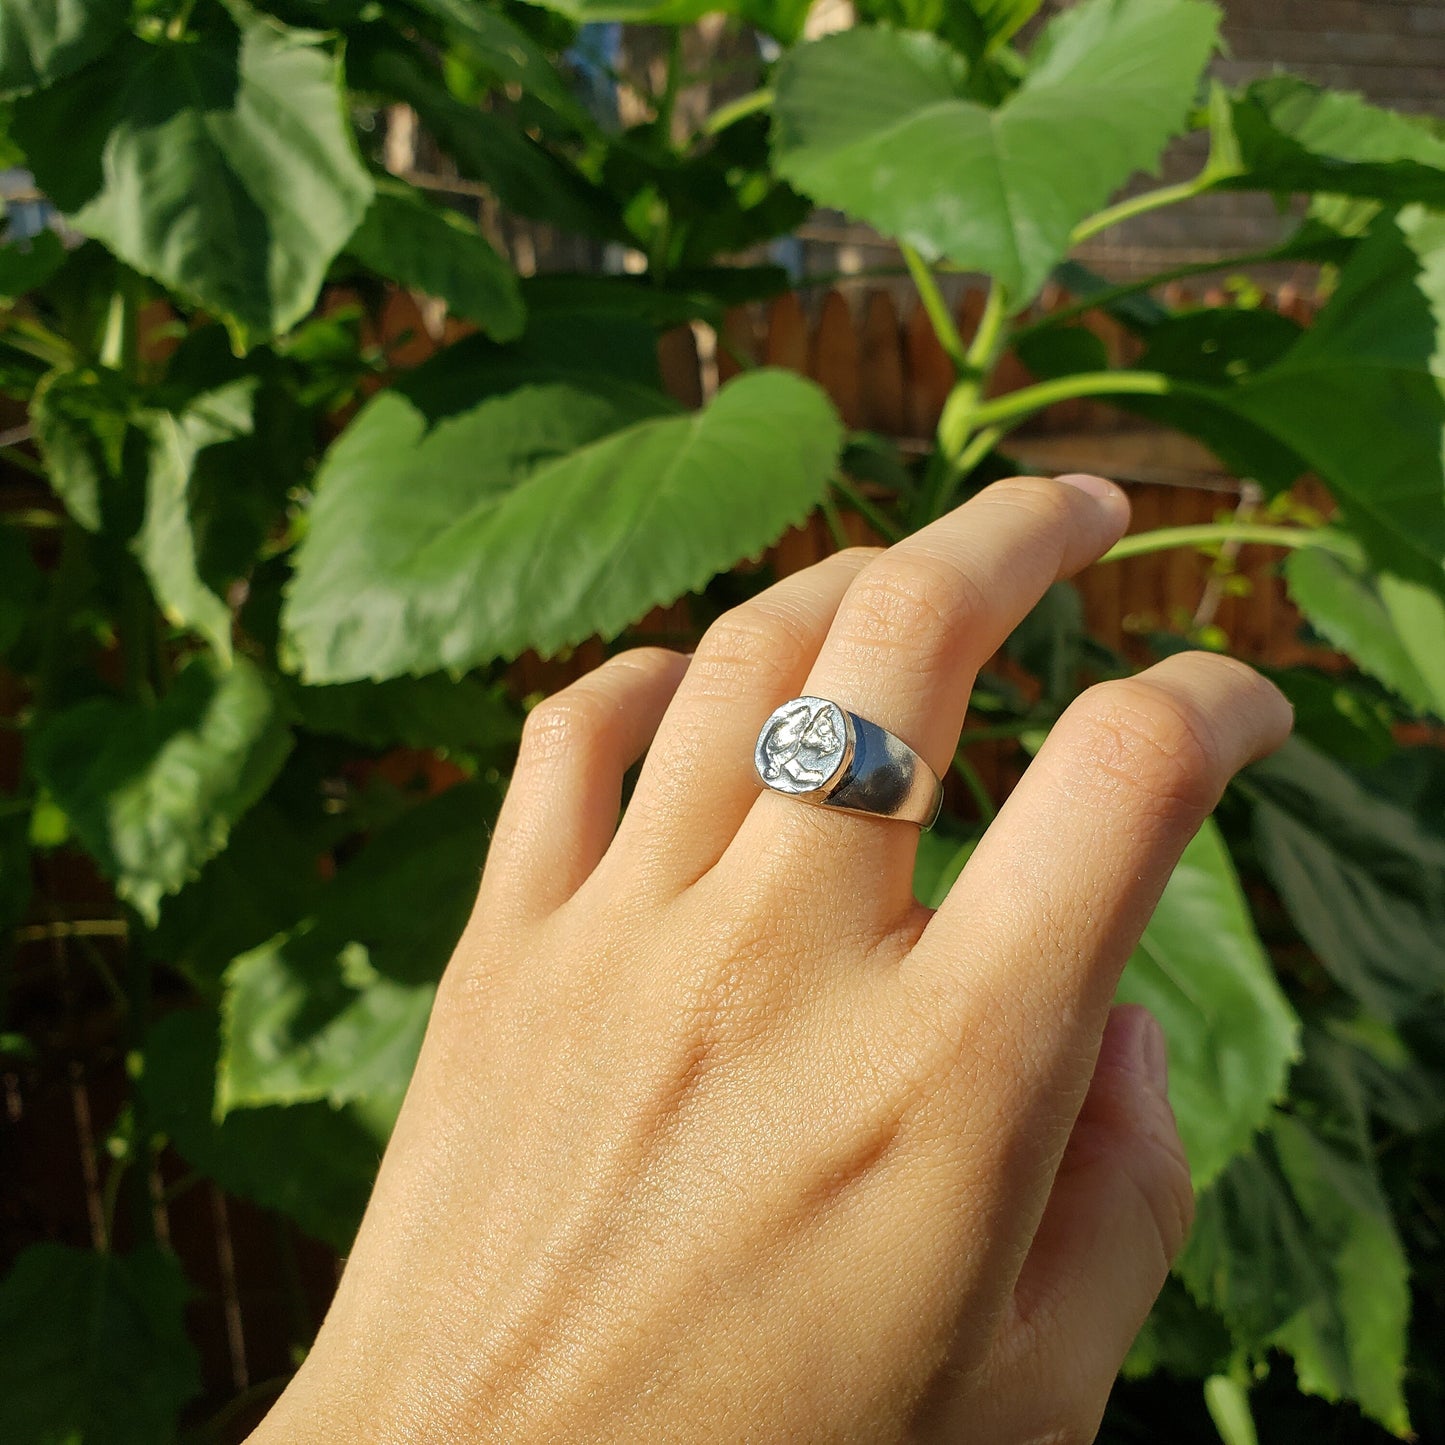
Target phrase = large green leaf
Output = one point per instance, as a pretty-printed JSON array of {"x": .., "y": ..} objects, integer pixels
[
  {"x": 222, "y": 165},
  {"x": 1290, "y": 135},
  {"x": 975, "y": 27},
  {"x": 166, "y": 544},
  {"x": 877, "y": 123},
  {"x": 1202, "y": 971},
  {"x": 42, "y": 41},
  {"x": 1361, "y": 395},
  {"x": 407, "y": 239},
  {"x": 311, "y": 1162},
  {"x": 1362, "y": 874},
  {"x": 532, "y": 520},
  {"x": 93, "y": 1348},
  {"x": 415, "y": 712},
  {"x": 152, "y": 790},
  {"x": 1296, "y": 1248},
  {"x": 1392, "y": 627},
  {"x": 335, "y": 1009}
]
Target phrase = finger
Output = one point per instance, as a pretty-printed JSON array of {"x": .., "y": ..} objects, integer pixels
[
  {"x": 561, "y": 808},
  {"x": 1116, "y": 1219},
  {"x": 698, "y": 781},
  {"x": 907, "y": 643},
  {"x": 1018, "y": 966}
]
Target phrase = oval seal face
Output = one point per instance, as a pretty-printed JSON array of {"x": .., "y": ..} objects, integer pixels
[{"x": 802, "y": 746}]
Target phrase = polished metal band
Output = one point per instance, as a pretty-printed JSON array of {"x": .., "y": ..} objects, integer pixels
[{"x": 817, "y": 752}]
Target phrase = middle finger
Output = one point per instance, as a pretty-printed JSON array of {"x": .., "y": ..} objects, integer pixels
[{"x": 903, "y": 651}]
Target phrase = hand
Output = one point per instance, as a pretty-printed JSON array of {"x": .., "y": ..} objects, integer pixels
[{"x": 716, "y": 1134}]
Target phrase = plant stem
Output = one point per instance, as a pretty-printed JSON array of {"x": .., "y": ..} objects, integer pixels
[
  {"x": 960, "y": 418},
  {"x": 987, "y": 811},
  {"x": 835, "y": 523},
  {"x": 998, "y": 732},
  {"x": 739, "y": 109},
  {"x": 1106, "y": 296},
  {"x": 939, "y": 316},
  {"x": 1015, "y": 406},
  {"x": 1206, "y": 534},
  {"x": 1142, "y": 204},
  {"x": 886, "y": 528}
]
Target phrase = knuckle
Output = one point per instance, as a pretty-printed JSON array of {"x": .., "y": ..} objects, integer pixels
[
  {"x": 907, "y": 598},
  {"x": 1146, "y": 739},
  {"x": 563, "y": 722},
  {"x": 757, "y": 637}
]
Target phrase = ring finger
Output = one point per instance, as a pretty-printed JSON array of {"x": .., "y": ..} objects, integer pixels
[{"x": 903, "y": 651}]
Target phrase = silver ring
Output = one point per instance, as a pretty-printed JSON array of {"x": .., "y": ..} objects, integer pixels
[{"x": 817, "y": 752}]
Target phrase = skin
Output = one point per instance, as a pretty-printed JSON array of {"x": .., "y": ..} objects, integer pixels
[{"x": 716, "y": 1134}]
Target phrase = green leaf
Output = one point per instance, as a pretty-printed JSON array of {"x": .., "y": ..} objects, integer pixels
[
  {"x": 81, "y": 420},
  {"x": 152, "y": 790},
  {"x": 416, "y": 712},
  {"x": 222, "y": 165},
  {"x": 685, "y": 296},
  {"x": 1362, "y": 875},
  {"x": 1222, "y": 347},
  {"x": 526, "y": 177},
  {"x": 93, "y": 1348},
  {"x": 877, "y": 123},
  {"x": 1203, "y": 973},
  {"x": 310, "y": 1162},
  {"x": 262, "y": 883},
  {"x": 27, "y": 265},
  {"x": 427, "y": 248},
  {"x": 1392, "y": 627},
  {"x": 540, "y": 518},
  {"x": 42, "y": 41},
  {"x": 1361, "y": 395},
  {"x": 506, "y": 50},
  {"x": 1296, "y": 1248},
  {"x": 1290, "y": 135},
  {"x": 1228, "y": 1404},
  {"x": 166, "y": 544},
  {"x": 940, "y": 859},
  {"x": 336, "y": 1008}
]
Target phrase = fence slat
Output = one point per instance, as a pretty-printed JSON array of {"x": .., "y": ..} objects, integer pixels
[
  {"x": 834, "y": 360},
  {"x": 884, "y": 398},
  {"x": 787, "y": 335},
  {"x": 930, "y": 374}
]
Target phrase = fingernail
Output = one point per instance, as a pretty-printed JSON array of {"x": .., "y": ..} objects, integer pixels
[{"x": 1094, "y": 486}]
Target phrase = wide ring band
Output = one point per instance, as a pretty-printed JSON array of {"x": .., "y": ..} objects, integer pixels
[{"x": 815, "y": 751}]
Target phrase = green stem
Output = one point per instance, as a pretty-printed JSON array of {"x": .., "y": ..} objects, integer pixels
[
  {"x": 939, "y": 316},
  {"x": 1142, "y": 204},
  {"x": 1015, "y": 406},
  {"x": 1206, "y": 534},
  {"x": 835, "y": 523},
  {"x": 987, "y": 811},
  {"x": 998, "y": 732},
  {"x": 884, "y": 525},
  {"x": 1107, "y": 295},
  {"x": 739, "y": 109},
  {"x": 960, "y": 418}
]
